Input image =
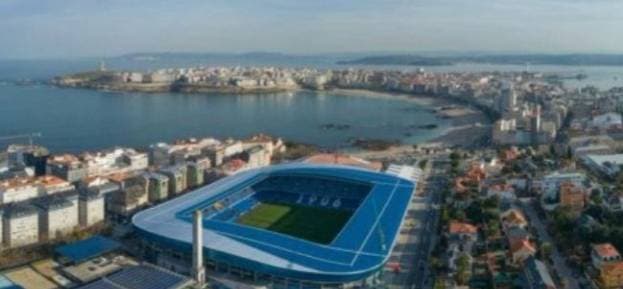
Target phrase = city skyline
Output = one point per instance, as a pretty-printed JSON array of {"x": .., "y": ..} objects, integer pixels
[{"x": 31, "y": 29}]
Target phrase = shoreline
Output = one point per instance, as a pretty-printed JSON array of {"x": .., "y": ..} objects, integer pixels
[{"x": 466, "y": 124}]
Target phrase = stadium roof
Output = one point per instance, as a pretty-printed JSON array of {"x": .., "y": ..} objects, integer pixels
[
  {"x": 361, "y": 248},
  {"x": 87, "y": 249}
]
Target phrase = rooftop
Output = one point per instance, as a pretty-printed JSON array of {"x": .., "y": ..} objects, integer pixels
[
  {"x": 457, "y": 227},
  {"x": 87, "y": 249},
  {"x": 606, "y": 250}
]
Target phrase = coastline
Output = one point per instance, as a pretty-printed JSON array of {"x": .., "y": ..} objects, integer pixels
[{"x": 468, "y": 126}]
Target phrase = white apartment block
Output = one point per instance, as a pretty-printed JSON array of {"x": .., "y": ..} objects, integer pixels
[
  {"x": 91, "y": 209},
  {"x": 57, "y": 216},
  {"x": 20, "y": 226}
]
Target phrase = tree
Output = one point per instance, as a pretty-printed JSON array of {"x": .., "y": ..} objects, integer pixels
[
  {"x": 422, "y": 164},
  {"x": 546, "y": 250},
  {"x": 462, "y": 268},
  {"x": 596, "y": 197}
]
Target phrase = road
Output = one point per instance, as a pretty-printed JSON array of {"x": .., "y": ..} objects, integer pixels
[
  {"x": 416, "y": 237},
  {"x": 560, "y": 265}
]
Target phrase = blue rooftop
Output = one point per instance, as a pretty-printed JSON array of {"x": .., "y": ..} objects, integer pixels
[{"x": 87, "y": 249}]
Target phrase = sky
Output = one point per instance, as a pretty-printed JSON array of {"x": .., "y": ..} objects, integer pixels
[{"x": 96, "y": 28}]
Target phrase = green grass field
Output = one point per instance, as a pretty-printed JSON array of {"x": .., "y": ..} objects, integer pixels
[{"x": 318, "y": 225}]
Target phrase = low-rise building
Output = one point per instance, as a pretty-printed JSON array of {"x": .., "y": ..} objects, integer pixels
[
  {"x": 521, "y": 250},
  {"x": 551, "y": 183},
  {"x": 513, "y": 218},
  {"x": 462, "y": 231},
  {"x": 607, "y": 165},
  {"x": 604, "y": 253}
]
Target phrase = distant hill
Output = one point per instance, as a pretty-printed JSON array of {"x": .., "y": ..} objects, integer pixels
[
  {"x": 545, "y": 59},
  {"x": 398, "y": 60}
]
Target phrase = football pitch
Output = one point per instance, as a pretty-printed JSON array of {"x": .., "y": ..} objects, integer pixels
[{"x": 318, "y": 225}]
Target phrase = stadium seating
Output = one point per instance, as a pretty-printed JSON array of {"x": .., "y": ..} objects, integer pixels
[{"x": 302, "y": 190}]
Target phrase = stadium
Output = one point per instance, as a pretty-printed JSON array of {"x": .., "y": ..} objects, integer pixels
[{"x": 295, "y": 225}]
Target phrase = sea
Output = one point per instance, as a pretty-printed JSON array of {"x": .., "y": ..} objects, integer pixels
[{"x": 75, "y": 120}]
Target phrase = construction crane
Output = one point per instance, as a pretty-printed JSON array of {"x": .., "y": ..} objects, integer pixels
[{"x": 29, "y": 136}]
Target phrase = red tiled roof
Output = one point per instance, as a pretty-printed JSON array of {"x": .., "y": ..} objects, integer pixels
[{"x": 462, "y": 228}]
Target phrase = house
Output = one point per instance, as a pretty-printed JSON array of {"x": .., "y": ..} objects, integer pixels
[
  {"x": 462, "y": 231},
  {"x": 604, "y": 253},
  {"x": 551, "y": 182},
  {"x": 536, "y": 276},
  {"x": 513, "y": 218},
  {"x": 572, "y": 196},
  {"x": 521, "y": 250}
]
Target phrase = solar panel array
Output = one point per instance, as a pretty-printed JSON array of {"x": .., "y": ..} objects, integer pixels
[
  {"x": 100, "y": 284},
  {"x": 139, "y": 277}
]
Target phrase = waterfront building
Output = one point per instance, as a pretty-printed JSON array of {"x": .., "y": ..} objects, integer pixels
[
  {"x": 118, "y": 160},
  {"x": 20, "y": 225},
  {"x": 67, "y": 167},
  {"x": 28, "y": 156},
  {"x": 131, "y": 196},
  {"x": 195, "y": 174},
  {"x": 177, "y": 178},
  {"x": 52, "y": 185},
  {"x": 158, "y": 188},
  {"x": 25, "y": 188},
  {"x": 18, "y": 189},
  {"x": 215, "y": 154},
  {"x": 255, "y": 157}
]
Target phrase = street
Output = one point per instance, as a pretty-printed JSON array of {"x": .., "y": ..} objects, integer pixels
[
  {"x": 416, "y": 237},
  {"x": 560, "y": 265}
]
